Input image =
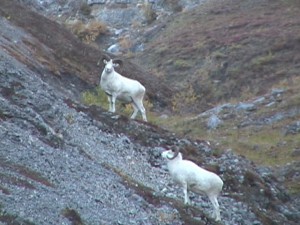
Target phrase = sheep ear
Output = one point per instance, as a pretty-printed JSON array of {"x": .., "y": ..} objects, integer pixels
[
  {"x": 170, "y": 155},
  {"x": 104, "y": 59},
  {"x": 175, "y": 154}
]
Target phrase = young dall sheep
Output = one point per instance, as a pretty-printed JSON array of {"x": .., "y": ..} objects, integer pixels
[
  {"x": 122, "y": 88},
  {"x": 192, "y": 177}
]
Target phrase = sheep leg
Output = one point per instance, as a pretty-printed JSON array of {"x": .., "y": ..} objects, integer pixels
[
  {"x": 113, "y": 103},
  {"x": 141, "y": 107},
  {"x": 143, "y": 112},
  {"x": 135, "y": 111},
  {"x": 109, "y": 103},
  {"x": 138, "y": 107},
  {"x": 216, "y": 206},
  {"x": 186, "y": 195}
]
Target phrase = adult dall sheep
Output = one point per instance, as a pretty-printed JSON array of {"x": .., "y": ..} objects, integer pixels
[
  {"x": 194, "y": 178},
  {"x": 122, "y": 88}
]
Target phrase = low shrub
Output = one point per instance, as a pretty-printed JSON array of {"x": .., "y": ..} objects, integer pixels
[{"x": 89, "y": 32}]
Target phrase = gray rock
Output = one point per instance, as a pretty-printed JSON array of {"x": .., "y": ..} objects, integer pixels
[
  {"x": 296, "y": 152},
  {"x": 213, "y": 122},
  {"x": 293, "y": 128},
  {"x": 92, "y": 2},
  {"x": 270, "y": 104},
  {"x": 123, "y": 1},
  {"x": 115, "y": 48},
  {"x": 277, "y": 92},
  {"x": 246, "y": 106},
  {"x": 259, "y": 100}
]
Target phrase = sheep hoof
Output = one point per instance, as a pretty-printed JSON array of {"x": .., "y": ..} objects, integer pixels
[
  {"x": 187, "y": 203},
  {"x": 116, "y": 117},
  {"x": 218, "y": 219},
  {"x": 186, "y": 208}
]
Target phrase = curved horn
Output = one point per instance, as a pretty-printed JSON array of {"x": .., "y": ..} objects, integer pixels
[
  {"x": 101, "y": 59},
  {"x": 118, "y": 61},
  {"x": 175, "y": 153}
]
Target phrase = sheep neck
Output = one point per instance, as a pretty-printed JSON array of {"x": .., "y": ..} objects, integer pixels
[
  {"x": 174, "y": 162},
  {"x": 108, "y": 76}
]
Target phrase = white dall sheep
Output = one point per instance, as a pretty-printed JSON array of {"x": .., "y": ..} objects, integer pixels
[
  {"x": 192, "y": 177},
  {"x": 122, "y": 88}
]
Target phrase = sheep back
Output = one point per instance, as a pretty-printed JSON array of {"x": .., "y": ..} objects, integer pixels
[
  {"x": 114, "y": 83},
  {"x": 198, "y": 179}
]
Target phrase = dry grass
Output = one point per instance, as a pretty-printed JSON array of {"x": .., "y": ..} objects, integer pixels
[
  {"x": 89, "y": 32},
  {"x": 149, "y": 13},
  {"x": 125, "y": 43},
  {"x": 266, "y": 144},
  {"x": 98, "y": 97}
]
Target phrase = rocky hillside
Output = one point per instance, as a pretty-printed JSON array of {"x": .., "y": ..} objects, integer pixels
[
  {"x": 234, "y": 66},
  {"x": 226, "y": 51},
  {"x": 62, "y": 162}
]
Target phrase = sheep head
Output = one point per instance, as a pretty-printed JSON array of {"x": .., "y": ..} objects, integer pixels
[
  {"x": 110, "y": 64},
  {"x": 169, "y": 154}
]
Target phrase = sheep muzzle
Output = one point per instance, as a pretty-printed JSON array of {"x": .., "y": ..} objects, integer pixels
[{"x": 108, "y": 70}]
